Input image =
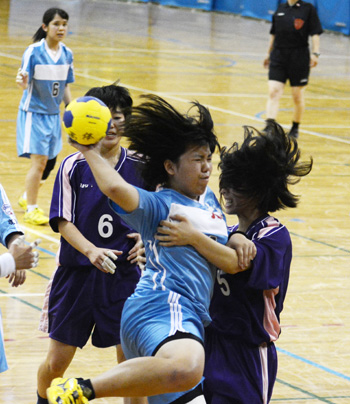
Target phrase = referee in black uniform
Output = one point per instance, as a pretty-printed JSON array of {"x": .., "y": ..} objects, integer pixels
[{"x": 289, "y": 56}]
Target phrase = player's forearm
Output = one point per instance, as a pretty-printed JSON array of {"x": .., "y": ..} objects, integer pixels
[
  {"x": 74, "y": 237},
  {"x": 12, "y": 237},
  {"x": 223, "y": 257}
]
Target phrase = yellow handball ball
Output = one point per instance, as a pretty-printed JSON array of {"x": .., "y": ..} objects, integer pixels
[{"x": 87, "y": 120}]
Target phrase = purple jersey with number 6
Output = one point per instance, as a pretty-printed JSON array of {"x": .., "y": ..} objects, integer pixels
[
  {"x": 83, "y": 302},
  {"x": 77, "y": 198}
]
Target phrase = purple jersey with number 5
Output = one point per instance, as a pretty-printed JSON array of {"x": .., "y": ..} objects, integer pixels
[
  {"x": 247, "y": 305},
  {"x": 241, "y": 358}
]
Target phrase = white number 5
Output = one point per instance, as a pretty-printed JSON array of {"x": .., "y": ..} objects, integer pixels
[{"x": 224, "y": 286}]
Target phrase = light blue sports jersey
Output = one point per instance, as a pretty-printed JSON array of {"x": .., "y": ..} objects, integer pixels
[
  {"x": 8, "y": 220},
  {"x": 48, "y": 75},
  {"x": 180, "y": 269},
  {"x": 3, "y": 361},
  {"x": 8, "y": 225}
]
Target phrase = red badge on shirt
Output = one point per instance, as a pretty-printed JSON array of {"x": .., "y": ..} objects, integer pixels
[{"x": 298, "y": 23}]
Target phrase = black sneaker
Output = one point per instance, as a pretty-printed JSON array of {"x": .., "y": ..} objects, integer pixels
[{"x": 294, "y": 132}]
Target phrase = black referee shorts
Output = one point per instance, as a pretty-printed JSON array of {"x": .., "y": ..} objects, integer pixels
[{"x": 291, "y": 64}]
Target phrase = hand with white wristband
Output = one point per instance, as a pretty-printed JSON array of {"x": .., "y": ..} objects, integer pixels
[
  {"x": 23, "y": 253},
  {"x": 22, "y": 79},
  {"x": 19, "y": 257}
]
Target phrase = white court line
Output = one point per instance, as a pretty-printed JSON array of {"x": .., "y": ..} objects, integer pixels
[
  {"x": 330, "y": 137},
  {"x": 40, "y": 234},
  {"x": 171, "y": 51},
  {"x": 328, "y": 126},
  {"x": 211, "y": 107},
  {"x": 242, "y": 95},
  {"x": 9, "y": 56}
]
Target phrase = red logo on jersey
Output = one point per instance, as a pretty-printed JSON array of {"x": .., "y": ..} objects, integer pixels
[
  {"x": 298, "y": 23},
  {"x": 216, "y": 216}
]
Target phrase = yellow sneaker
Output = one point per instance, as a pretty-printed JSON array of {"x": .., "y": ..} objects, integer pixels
[
  {"x": 22, "y": 203},
  {"x": 35, "y": 217},
  {"x": 65, "y": 391}
]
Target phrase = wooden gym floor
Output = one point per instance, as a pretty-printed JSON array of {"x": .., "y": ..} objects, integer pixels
[{"x": 216, "y": 59}]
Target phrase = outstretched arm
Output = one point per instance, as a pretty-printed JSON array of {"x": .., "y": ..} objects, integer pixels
[
  {"x": 110, "y": 182},
  {"x": 182, "y": 232}
]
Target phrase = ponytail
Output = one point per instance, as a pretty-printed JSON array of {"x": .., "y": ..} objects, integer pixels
[{"x": 39, "y": 35}]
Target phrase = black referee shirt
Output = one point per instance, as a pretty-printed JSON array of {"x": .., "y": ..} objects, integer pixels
[{"x": 293, "y": 25}]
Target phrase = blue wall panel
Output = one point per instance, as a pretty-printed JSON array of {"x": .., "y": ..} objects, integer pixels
[
  {"x": 231, "y": 6},
  {"x": 202, "y": 4},
  {"x": 334, "y": 15},
  {"x": 260, "y": 9},
  {"x": 313, "y": 2}
]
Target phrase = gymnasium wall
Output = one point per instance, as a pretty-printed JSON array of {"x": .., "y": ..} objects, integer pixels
[{"x": 334, "y": 14}]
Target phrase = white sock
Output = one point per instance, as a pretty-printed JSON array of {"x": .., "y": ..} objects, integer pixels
[{"x": 30, "y": 208}]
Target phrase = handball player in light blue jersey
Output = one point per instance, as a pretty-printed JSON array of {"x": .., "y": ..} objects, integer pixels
[
  {"x": 44, "y": 76},
  {"x": 163, "y": 322},
  {"x": 241, "y": 357},
  {"x": 20, "y": 256}
]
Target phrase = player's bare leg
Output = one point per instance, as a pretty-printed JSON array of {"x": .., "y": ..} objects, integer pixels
[
  {"x": 298, "y": 94},
  {"x": 177, "y": 366},
  {"x": 33, "y": 178},
  {"x": 58, "y": 359},
  {"x": 34, "y": 215},
  {"x": 275, "y": 92},
  {"x": 129, "y": 400}
]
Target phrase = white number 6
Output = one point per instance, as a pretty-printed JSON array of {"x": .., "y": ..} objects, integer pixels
[{"x": 105, "y": 227}]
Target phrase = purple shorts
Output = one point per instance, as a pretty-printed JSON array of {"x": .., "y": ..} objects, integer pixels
[
  {"x": 86, "y": 302},
  {"x": 236, "y": 372}
]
